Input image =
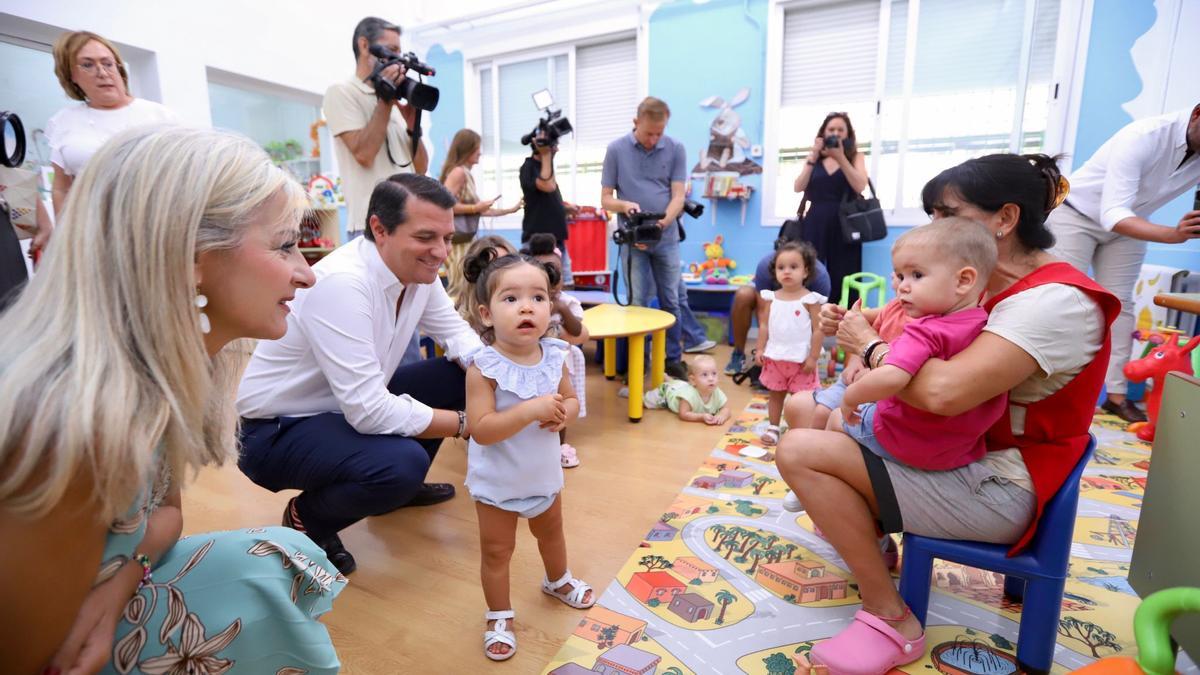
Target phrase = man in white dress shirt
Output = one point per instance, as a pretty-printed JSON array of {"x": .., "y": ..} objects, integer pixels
[
  {"x": 327, "y": 408},
  {"x": 1105, "y": 223}
]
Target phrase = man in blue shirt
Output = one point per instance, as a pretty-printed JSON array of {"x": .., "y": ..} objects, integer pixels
[{"x": 648, "y": 172}]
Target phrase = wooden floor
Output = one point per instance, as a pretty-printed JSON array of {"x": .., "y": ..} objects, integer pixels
[{"x": 415, "y": 604}]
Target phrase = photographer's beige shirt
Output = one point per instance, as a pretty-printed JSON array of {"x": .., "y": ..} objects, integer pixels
[{"x": 348, "y": 106}]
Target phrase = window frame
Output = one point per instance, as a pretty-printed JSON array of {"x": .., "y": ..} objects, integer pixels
[
  {"x": 493, "y": 62},
  {"x": 1071, "y": 41}
]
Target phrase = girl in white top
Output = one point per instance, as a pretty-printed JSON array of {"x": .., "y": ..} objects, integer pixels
[
  {"x": 91, "y": 71},
  {"x": 518, "y": 398},
  {"x": 566, "y": 323},
  {"x": 789, "y": 334}
]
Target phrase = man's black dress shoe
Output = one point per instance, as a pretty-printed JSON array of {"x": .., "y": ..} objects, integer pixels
[
  {"x": 1126, "y": 410},
  {"x": 432, "y": 493},
  {"x": 338, "y": 555},
  {"x": 333, "y": 547}
]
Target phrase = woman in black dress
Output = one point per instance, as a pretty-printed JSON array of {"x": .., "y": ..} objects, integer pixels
[{"x": 829, "y": 174}]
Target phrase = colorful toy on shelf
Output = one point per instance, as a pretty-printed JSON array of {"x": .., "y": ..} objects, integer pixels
[
  {"x": 322, "y": 190},
  {"x": 1166, "y": 355},
  {"x": 316, "y": 138},
  {"x": 715, "y": 269},
  {"x": 1152, "y": 630}
]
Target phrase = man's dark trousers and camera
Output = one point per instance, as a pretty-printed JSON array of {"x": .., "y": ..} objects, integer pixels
[{"x": 651, "y": 173}]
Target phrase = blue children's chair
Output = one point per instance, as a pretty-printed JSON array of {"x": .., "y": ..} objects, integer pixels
[{"x": 1038, "y": 573}]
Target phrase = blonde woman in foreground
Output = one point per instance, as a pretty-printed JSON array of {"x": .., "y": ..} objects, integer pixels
[{"x": 117, "y": 383}]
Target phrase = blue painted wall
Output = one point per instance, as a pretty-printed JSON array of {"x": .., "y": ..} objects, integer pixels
[
  {"x": 1110, "y": 80},
  {"x": 724, "y": 41},
  {"x": 450, "y": 114}
]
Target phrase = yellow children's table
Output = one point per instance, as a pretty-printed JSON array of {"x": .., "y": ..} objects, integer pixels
[{"x": 609, "y": 322}]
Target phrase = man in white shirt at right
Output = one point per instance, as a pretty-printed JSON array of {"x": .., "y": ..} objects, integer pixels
[{"x": 1105, "y": 221}]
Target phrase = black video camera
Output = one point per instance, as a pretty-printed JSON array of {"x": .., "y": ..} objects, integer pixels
[
  {"x": 638, "y": 228},
  {"x": 693, "y": 209},
  {"x": 549, "y": 128},
  {"x": 416, "y": 93}
]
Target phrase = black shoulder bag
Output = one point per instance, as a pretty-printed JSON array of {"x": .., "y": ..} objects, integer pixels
[{"x": 861, "y": 218}]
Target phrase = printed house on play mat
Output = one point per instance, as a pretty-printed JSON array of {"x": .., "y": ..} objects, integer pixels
[
  {"x": 626, "y": 660},
  {"x": 572, "y": 669},
  {"x": 625, "y": 629},
  {"x": 693, "y": 568},
  {"x": 806, "y": 580},
  {"x": 656, "y": 585},
  {"x": 707, "y": 482},
  {"x": 662, "y": 532},
  {"x": 691, "y": 606},
  {"x": 737, "y": 478}
]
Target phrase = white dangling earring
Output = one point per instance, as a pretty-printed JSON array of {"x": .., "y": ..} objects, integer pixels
[
  {"x": 201, "y": 303},
  {"x": 999, "y": 235}
]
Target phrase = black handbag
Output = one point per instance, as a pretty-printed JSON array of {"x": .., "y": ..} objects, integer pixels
[
  {"x": 792, "y": 228},
  {"x": 861, "y": 218}
]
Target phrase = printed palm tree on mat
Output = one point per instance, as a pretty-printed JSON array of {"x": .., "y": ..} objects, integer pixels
[
  {"x": 761, "y": 482},
  {"x": 655, "y": 562},
  {"x": 726, "y": 599},
  {"x": 1088, "y": 633}
]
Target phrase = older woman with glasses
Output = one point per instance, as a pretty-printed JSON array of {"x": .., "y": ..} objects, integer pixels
[{"x": 91, "y": 71}]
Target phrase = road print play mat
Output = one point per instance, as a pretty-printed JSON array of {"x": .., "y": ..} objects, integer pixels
[{"x": 726, "y": 581}]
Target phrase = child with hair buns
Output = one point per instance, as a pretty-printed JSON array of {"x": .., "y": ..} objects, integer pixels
[{"x": 519, "y": 397}]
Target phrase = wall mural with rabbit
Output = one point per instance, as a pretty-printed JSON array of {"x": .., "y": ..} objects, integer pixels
[{"x": 728, "y": 145}]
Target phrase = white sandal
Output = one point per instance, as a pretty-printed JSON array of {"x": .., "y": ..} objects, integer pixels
[
  {"x": 499, "y": 635},
  {"x": 770, "y": 436},
  {"x": 575, "y": 596}
]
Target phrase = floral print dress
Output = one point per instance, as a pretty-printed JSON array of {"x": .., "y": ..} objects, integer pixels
[{"x": 243, "y": 601}]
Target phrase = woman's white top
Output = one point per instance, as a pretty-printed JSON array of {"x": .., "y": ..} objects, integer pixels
[
  {"x": 789, "y": 327},
  {"x": 528, "y": 463},
  {"x": 77, "y": 131}
]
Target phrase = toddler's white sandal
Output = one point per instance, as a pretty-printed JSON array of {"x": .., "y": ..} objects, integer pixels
[
  {"x": 499, "y": 635},
  {"x": 575, "y": 596}
]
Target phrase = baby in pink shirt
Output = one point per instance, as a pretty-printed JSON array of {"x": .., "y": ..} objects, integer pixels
[{"x": 941, "y": 271}]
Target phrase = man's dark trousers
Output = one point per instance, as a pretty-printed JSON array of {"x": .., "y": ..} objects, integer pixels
[{"x": 346, "y": 476}]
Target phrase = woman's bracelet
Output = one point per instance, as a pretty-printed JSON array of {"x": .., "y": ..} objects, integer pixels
[
  {"x": 143, "y": 560},
  {"x": 462, "y": 423},
  {"x": 870, "y": 350},
  {"x": 880, "y": 355}
]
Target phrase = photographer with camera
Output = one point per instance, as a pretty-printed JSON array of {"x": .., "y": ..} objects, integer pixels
[
  {"x": 648, "y": 170},
  {"x": 375, "y": 117},
  {"x": 545, "y": 210},
  {"x": 833, "y": 169}
]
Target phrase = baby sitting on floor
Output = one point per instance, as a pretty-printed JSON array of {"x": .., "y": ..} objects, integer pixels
[{"x": 696, "y": 400}]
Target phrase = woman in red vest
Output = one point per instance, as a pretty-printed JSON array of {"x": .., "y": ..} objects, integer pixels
[{"x": 1046, "y": 343}]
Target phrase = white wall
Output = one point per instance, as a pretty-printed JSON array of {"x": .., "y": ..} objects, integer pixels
[{"x": 303, "y": 45}]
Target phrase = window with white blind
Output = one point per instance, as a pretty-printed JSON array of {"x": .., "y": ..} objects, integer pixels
[
  {"x": 829, "y": 56},
  {"x": 956, "y": 80},
  {"x": 602, "y": 86},
  {"x": 606, "y": 98}
]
